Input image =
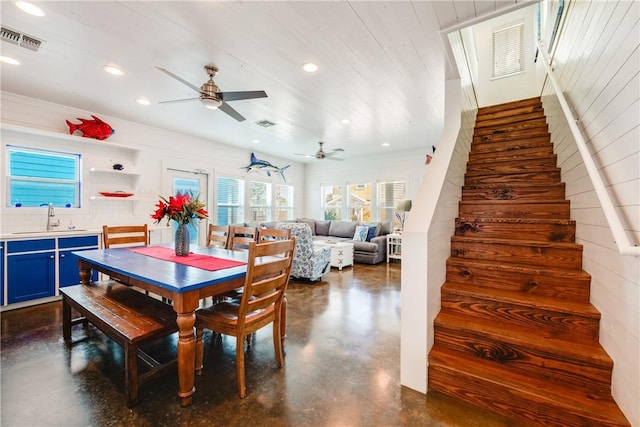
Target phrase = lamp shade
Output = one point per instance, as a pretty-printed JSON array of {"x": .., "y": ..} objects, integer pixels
[{"x": 403, "y": 206}]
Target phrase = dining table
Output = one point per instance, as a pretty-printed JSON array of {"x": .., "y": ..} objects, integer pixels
[{"x": 182, "y": 280}]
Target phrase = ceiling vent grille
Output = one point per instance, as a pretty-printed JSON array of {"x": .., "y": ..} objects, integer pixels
[
  {"x": 15, "y": 37},
  {"x": 265, "y": 123}
]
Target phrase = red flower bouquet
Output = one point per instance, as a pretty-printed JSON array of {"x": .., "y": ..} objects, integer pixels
[{"x": 183, "y": 209}]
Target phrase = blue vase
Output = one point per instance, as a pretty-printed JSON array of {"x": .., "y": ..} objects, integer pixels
[{"x": 182, "y": 240}]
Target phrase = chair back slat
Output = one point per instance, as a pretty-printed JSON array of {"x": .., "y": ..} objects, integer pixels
[
  {"x": 125, "y": 235},
  {"x": 240, "y": 237},
  {"x": 218, "y": 235},
  {"x": 271, "y": 234}
]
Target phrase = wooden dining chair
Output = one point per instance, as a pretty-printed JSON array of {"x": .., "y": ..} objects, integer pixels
[
  {"x": 218, "y": 235},
  {"x": 266, "y": 235},
  {"x": 125, "y": 235},
  {"x": 240, "y": 237},
  {"x": 268, "y": 269},
  {"x": 271, "y": 234}
]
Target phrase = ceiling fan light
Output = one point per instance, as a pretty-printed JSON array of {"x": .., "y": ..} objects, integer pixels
[{"x": 211, "y": 103}]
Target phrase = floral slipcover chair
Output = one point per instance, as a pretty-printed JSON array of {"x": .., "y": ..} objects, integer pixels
[{"x": 308, "y": 262}]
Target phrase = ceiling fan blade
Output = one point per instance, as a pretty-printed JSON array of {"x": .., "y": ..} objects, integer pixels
[
  {"x": 181, "y": 80},
  {"x": 178, "y": 100},
  {"x": 230, "y": 111},
  {"x": 236, "y": 96},
  {"x": 305, "y": 155},
  {"x": 333, "y": 158}
]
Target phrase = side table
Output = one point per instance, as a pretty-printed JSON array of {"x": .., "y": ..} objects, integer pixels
[
  {"x": 394, "y": 246},
  {"x": 341, "y": 252}
]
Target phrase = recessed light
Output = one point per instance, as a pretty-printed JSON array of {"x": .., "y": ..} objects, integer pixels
[
  {"x": 310, "y": 67},
  {"x": 345, "y": 121},
  {"x": 9, "y": 60},
  {"x": 256, "y": 141},
  {"x": 29, "y": 8},
  {"x": 113, "y": 69},
  {"x": 143, "y": 101},
  {"x": 385, "y": 144}
]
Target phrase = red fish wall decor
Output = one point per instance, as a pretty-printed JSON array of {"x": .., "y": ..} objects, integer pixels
[{"x": 95, "y": 128}]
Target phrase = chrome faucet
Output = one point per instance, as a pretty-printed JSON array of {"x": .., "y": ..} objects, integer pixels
[{"x": 51, "y": 213}]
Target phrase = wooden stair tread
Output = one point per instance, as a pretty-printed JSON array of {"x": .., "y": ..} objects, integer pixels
[
  {"x": 527, "y": 269},
  {"x": 535, "y": 390},
  {"x": 518, "y": 242},
  {"x": 585, "y": 309},
  {"x": 514, "y": 202},
  {"x": 556, "y": 221},
  {"x": 489, "y": 109},
  {"x": 491, "y": 186},
  {"x": 588, "y": 353}
]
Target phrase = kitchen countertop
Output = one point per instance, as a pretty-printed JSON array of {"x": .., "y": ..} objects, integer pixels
[{"x": 63, "y": 232}]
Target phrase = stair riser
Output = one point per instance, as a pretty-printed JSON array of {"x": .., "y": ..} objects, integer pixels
[
  {"x": 515, "y": 210},
  {"x": 533, "y": 178},
  {"x": 560, "y": 287},
  {"x": 497, "y": 230},
  {"x": 488, "y": 117},
  {"x": 535, "y": 123},
  {"x": 511, "y": 166},
  {"x": 522, "y": 254},
  {"x": 546, "y": 322},
  {"x": 513, "y": 404},
  {"x": 507, "y": 144},
  {"x": 501, "y": 122},
  {"x": 506, "y": 108},
  {"x": 539, "y": 193},
  {"x": 528, "y": 360},
  {"x": 513, "y": 155}
]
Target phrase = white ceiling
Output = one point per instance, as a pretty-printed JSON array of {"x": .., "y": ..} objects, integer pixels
[{"x": 382, "y": 66}]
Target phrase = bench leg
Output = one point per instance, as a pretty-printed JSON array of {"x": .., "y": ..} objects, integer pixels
[
  {"x": 66, "y": 320},
  {"x": 131, "y": 373}
]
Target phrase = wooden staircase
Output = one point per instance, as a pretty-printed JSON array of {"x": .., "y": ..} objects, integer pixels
[{"x": 516, "y": 333}]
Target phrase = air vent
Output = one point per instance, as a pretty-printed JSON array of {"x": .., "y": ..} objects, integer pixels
[
  {"x": 15, "y": 37},
  {"x": 265, "y": 123},
  {"x": 10, "y": 35}
]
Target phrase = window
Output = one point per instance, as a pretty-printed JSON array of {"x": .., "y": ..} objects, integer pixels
[
  {"x": 259, "y": 201},
  {"x": 284, "y": 202},
  {"x": 389, "y": 194},
  {"x": 229, "y": 201},
  {"x": 359, "y": 202},
  {"x": 331, "y": 204},
  {"x": 508, "y": 51},
  {"x": 37, "y": 177}
]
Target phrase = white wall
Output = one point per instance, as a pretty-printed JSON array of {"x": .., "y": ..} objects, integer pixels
[
  {"x": 521, "y": 86},
  {"x": 159, "y": 149},
  {"x": 597, "y": 65}
]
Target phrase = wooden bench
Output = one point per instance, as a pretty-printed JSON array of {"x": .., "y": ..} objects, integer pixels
[{"x": 128, "y": 317}]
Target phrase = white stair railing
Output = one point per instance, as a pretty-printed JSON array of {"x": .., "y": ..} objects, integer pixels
[{"x": 619, "y": 234}]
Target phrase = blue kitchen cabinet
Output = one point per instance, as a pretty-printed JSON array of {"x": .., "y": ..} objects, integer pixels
[
  {"x": 68, "y": 263},
  {"x": 31, "y": 269}
]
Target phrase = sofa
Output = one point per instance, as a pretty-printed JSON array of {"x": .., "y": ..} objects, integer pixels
[{"x": 371, "y": 250}]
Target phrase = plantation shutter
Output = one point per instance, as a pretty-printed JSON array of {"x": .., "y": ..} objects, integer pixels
[{"x": 508, "y": 51}]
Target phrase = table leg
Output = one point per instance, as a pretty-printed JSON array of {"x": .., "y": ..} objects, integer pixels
[
  {"x": 84, "y": 271},
  {"x": 185, "y": 306}
]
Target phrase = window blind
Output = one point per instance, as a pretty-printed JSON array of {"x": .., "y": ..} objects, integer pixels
[{"x": 508, "y": 51}]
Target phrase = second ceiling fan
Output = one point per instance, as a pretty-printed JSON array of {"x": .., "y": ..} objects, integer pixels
[
  {"x": 211, "y": 96},
  {"x": 321, "y": 154}
]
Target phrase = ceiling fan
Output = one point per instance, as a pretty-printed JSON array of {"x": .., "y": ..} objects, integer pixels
[
  {"x": 321, "y": 154},
  {"x": 211, "y": 96}
]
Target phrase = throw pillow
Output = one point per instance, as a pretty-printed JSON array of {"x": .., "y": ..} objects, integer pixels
[
  {"x": 361, "y": 234},
  {"x": 371, "y": 233}
]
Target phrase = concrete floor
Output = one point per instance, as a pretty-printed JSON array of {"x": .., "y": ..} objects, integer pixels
[{"x": 341, "y": 369}]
